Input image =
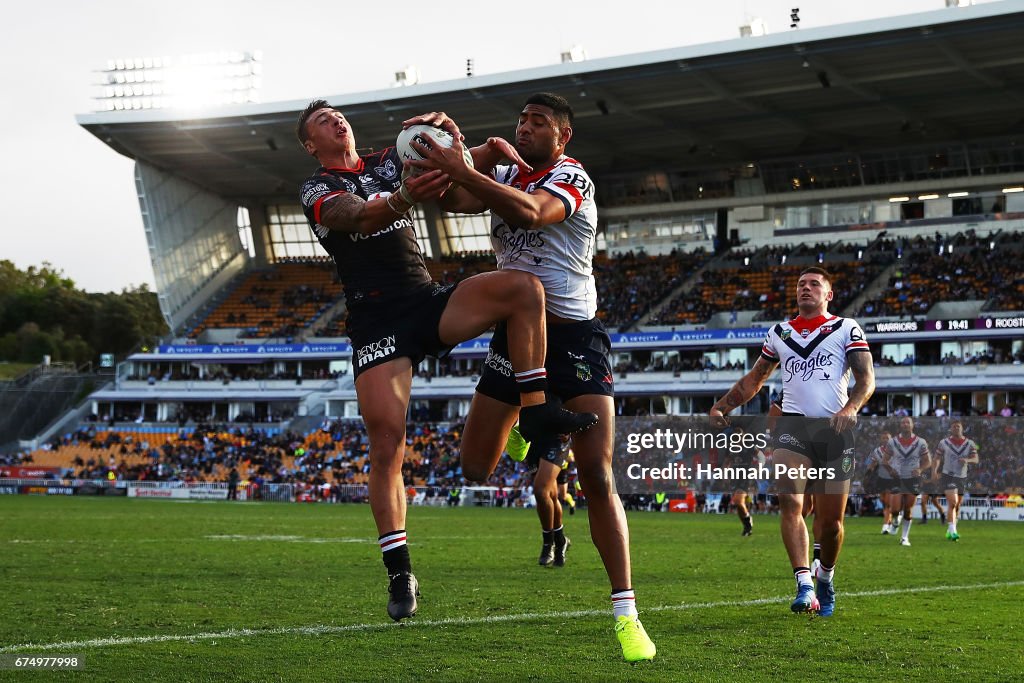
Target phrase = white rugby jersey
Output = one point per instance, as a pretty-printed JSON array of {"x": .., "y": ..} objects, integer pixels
[
  {"x": 878, "y": 455},
  {"x": 951, "y": 453},
  {"x": 560, "y": 254},
  {"x": 812, "y": 356},
  {"x": 907, "y": 455}
]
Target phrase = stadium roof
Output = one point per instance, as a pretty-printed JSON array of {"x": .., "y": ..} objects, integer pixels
[{"x": 949, "y": 75}]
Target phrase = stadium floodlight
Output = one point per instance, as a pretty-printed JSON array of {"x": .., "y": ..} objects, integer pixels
[
  {"x": 927, "y": 196},
  {"x": 753, "y": 27},
  {"x": 1009, "y": 190},
  {"x": 894, "y": 200},
  {"x": 954, "y": 195},
  {"x": 410, "y": 75},
  {"x": 576, "y": 53},
  {"x": 190, "y": 81}
]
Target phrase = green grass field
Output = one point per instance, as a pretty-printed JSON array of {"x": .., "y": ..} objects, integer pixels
[{"x": 157, "y": 590}]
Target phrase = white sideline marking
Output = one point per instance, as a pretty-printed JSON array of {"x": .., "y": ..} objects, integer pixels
[
  {"x": 452, "y": 621},
  {"x": 288, "y": 539}
]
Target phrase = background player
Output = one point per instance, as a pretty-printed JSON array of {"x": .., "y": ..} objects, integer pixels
[
  {"x": 907, "y": 456},
  {"x": 817, "y": 352},
  {"x": 550, "y": 464},
  {"x": 884, "y": 483},
  {"x": 956, "y": 452}
]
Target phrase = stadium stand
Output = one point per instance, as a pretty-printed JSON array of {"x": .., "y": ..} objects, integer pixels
[
  {"x": 764, "y": 279},
  {"x": 957, "y": 267},
  {"x": 629, "y": 285},
  {"x": 277, "y": 302}
]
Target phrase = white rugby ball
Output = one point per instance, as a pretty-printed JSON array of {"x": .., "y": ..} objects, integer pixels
[{"x": 427, "y": 136}]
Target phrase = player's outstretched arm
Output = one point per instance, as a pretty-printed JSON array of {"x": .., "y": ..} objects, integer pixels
[
  {"x": 742, "y": 391},
  {"x": 347, "y": 212}
]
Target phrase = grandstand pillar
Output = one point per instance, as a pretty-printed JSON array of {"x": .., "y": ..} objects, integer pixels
[
  {"x": 435, "y": 224},
  {"x": 260, "y": 234}
]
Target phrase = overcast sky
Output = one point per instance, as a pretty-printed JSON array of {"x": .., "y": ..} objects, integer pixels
[{"x": 70, "y": 200}]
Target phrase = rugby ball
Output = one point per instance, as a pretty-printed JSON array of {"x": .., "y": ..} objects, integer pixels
[{"x": 427, "y": 136}]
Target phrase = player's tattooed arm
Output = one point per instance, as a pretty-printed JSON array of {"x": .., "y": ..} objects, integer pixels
[
  {"x": 745, "y": 389},
  {"x": 344, "y": 212},
  {"x": 864, "y": 373}
]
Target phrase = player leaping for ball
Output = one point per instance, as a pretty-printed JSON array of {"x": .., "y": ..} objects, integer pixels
[
  {"x": 817, "y": 352},
  {"x": 544, "y": 222},
  {"x": 360, "y": 208}
]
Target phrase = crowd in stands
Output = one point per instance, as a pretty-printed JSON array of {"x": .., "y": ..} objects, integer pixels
[
  {"x": 335, "y": 456},
  {"x": 629, "y": 285},
  {"x": 764, "y": 280},
  {"x": 961, "y": 267}
]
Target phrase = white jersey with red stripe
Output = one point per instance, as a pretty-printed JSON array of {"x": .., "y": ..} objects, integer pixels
[
  {"x": 813, "y": 357},
  {"x": 951, "y": 452},
  {"x": 907, "y": 454},
  {"x": 560, "y": 254}
]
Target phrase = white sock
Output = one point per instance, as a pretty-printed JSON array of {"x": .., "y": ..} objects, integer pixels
[
  {"x": 803, "y": 578},
  {"x": 951, "y": 528},
  {"x": 906, "y": 527},
  {"x": 825, "y": 575},
  {"x": 624, "y": 604}
]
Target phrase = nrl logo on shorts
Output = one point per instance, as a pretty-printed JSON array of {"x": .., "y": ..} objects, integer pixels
[
  {"x": 847, "y": 463},
  {"x": 583, "y": 372},
  {"x": 786, "y": 334}
]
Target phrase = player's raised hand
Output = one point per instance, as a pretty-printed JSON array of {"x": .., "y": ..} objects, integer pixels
[
  {"x": 452, "y": 160},
  {"x": 437, "y": 119},
  {"x": 718, "y": 418},
  {"x": 425, "y": 187},
  {"x": 505, "y": 151}
]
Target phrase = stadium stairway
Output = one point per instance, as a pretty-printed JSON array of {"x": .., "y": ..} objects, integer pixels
[
  {"x": 26, "y": 409},
  {"x": 686, "y": 286},
  {"x": 874, "y": 290},
  {"x": 336, "y": 309}
]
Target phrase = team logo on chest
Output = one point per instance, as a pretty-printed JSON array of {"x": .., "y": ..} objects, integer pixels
[{"x": 387, "y": 170}]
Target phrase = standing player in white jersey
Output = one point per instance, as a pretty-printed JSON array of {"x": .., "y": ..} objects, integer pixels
[
  {"x": 544, "y": 221},
  {"x": 817, "y": 352},
  {"x": 956, "y": 452},
  {"x": 875, "y": 463},
  {"x": 907, "y": 456}
]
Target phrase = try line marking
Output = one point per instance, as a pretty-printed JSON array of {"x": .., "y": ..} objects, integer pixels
[{"x": 453, "y": 621}]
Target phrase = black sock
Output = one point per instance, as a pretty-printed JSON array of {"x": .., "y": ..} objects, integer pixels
[
  {"x": 559, "y": 535},
  {"x": 549, "y": 537},
  {"x": 395, "y": 552},
  {"x": 817, "y": 551}
]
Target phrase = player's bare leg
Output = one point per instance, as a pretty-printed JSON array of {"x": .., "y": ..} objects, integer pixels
[
  {"x": 549, "y": 510},
  {"x": 517, "y": 298},
  {"x": 953, "y": 504},
  {"x": 483, "y": 439},
  {"x": 794, "y": 529},
  {"x": 608, "y": 527},
  {"x": 829, "y": 512},
  {"x": 739, "y": 499},
  {"x": 906, "y": 503},
  {"x": 383, "y": 394}
]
